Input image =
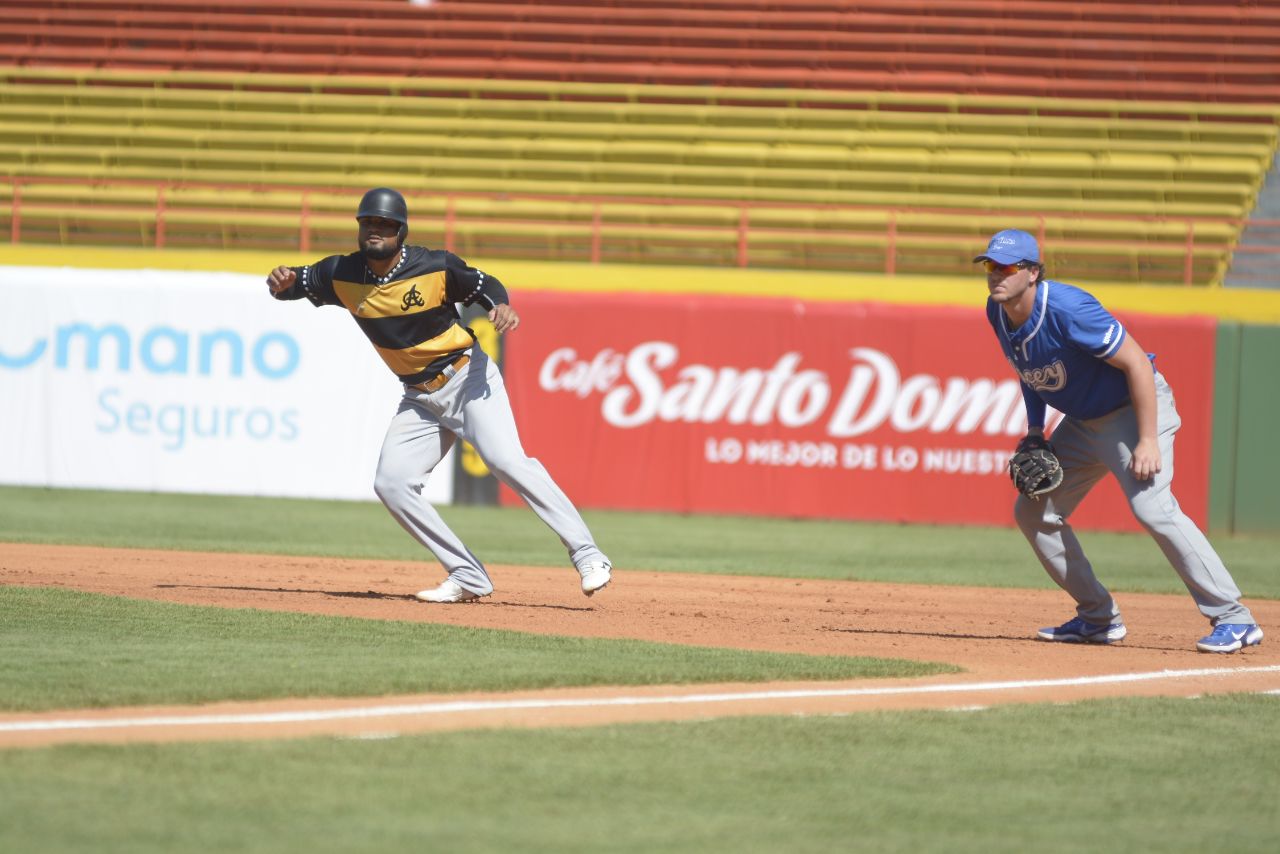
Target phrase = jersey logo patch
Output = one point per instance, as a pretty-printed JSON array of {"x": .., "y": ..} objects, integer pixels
[
  {"x": 411, "y": 299},
  {"x": 1049, "y": 378}
]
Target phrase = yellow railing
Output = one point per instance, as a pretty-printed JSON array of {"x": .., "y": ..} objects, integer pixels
[{"x": 595, "y": 229}]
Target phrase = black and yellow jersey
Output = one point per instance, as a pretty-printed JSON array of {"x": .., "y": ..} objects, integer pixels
[{"x": 410, "y": 314}]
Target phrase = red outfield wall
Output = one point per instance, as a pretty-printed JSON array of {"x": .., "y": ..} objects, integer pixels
[{"x": 804, "y": 409}]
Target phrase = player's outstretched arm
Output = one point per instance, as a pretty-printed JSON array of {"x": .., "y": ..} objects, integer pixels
[
  {"x": 1133, "y": 361},
  {"x": 281, "y": 279},
  {"x": 504, "y": 318}
]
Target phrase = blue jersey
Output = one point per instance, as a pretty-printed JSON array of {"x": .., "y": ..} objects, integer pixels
[{"x": 1058, "y": 353}]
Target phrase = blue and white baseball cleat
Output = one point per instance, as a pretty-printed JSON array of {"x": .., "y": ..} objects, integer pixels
[
  {"x": 1228, "y": 637},
  {"x": 1077, "y": 630}
]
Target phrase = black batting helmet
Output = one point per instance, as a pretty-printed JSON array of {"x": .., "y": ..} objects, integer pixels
[{"x": 386, "y": 203}]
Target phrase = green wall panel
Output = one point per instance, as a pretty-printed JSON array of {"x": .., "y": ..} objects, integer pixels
[
  {"x": 1226, "y": 426},
  {"x": 1257, "y": 471}
]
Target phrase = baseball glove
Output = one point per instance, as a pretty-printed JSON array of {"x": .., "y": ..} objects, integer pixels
[{"x": 1034, "y": 468}]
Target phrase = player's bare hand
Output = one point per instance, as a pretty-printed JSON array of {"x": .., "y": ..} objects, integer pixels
[
  {"x": 1146, "y": 459},
  {"x": 504, "y": 318},
  {"x": 281, "y": 279}
]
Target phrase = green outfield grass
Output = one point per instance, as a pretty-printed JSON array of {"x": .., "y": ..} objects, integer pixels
[
  {"x": 1166, "y": 775},
  {"x": 924, "y": 554},
  {"x": 65, "y": 649},
  {"x": 1133, "y": 775}
]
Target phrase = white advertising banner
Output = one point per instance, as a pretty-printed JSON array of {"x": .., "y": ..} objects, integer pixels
[{"x": 168, "y": 381}]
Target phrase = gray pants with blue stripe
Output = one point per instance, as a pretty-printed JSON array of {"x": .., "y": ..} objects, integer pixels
[
  {"x": 1089, "y": 450},
  {"x": 473, "y": 405}
]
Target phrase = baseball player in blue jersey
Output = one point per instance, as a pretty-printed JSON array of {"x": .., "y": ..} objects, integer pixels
[
  {"x": 404, "y": 298},
  {"x": 1070, "y": 353}
]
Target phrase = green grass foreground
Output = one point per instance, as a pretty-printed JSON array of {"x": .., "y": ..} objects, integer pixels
[
  {"x": 923, "y": 554},
  {"x": 1137, "y": 773},
  {"x": 65, "y": 649}
]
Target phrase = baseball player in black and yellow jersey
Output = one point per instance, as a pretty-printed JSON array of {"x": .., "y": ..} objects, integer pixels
[{"x": 404, "y": 299}]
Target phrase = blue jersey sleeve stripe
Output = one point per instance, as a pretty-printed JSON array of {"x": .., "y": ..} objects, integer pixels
[{"x": 1115, "y": 345}]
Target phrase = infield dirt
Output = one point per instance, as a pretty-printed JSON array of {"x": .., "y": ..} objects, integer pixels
[{"x": 990, "y": 633}]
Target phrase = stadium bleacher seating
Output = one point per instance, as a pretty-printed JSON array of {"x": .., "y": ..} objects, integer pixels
[
  {"x": 870, "y": 135},
  {"x": 1199, "y": 51}
]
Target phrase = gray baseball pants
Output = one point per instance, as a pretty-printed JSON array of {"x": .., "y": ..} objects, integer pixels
[
  {"x": 474, "y": 406},
  {"x": 1088, "y": 450}
]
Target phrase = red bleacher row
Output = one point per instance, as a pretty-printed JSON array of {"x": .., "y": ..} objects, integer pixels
[
  {"x": 1198, "y": 52},
  {"x": 258, "y": 49},
  {"x": 695, "y": 27},
  {"x": 714, "y": 47},
  {"x": 1007, "y": 16}
]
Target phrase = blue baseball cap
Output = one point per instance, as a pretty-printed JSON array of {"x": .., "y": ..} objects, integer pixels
[{"x": 1011, "y": 246}]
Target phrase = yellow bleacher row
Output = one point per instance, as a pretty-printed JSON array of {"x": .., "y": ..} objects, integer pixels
[
  {"x": 1186, "y": 157},
  {"x": 920, "y": 253},
  {"x": 1166, "y": 220},
  {"x": 1187, "y": 150},
  {"x": 284, "y": 207},
  {"x": 997, "y": 154},
  {"x": 1229, "y": 176},
  {"x": 1072, "y": 145},
  {"x": 304, "y": 110},
  {"x": 555, "y": 95},
  {"x": 1209, "y": 183},
  {"x": 536, "y": 167},
  {"x": 842, "y": 239},
  {"x": 939, "y": 129}
]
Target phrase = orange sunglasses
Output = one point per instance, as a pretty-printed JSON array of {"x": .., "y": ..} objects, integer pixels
[{"x": 1007, "y": 269}]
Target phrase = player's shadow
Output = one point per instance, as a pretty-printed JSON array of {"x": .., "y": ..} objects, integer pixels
[
  {"x": 500, "y": 604},
  {"x": 947, "y": 635},
  {"x": 362, "y": 594},
  {"x": 339, "y": 594},
  {"x": 1019, "y": 638}
]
